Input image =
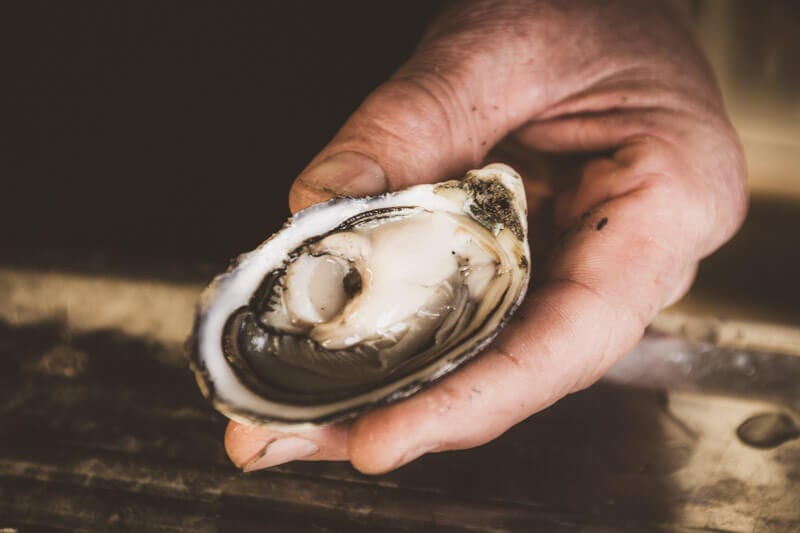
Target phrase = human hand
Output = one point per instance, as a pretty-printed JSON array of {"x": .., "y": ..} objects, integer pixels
[{"x": 620, "y": 87}]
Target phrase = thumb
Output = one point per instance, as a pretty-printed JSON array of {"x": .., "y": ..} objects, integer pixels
[{"x": 435, "y": 118}]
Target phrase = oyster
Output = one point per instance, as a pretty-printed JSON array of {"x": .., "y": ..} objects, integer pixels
[{"x": 358, "y": 302}]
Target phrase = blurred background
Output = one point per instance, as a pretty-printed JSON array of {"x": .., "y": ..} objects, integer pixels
[
  {"x": 144, "y": 144},
  {"x": 754, "y": 48},
  {"x": 174, "y": 129}
]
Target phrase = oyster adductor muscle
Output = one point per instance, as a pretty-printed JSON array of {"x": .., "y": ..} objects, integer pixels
[{"x": 358, "y": 302}]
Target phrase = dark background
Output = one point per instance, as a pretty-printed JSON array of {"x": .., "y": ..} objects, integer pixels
[
  {"x": 174, "y": 129},
  {"x": 170, "y": 132}
]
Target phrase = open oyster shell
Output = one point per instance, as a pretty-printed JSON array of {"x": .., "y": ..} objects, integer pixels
[{"x": 359, "y": 302}]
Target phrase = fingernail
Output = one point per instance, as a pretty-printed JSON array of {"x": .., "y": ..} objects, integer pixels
[
  {"x": 281, "y": 451},
  {"x": 347, "y": 174}
]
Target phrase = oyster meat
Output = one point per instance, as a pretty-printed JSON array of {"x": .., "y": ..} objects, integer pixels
[{"x": 358, "y": 302}]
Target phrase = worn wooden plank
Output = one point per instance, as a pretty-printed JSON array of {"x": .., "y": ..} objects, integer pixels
[
  {"x": 99, "y": 419},
  {"x": 34, "y": 506},
  {"x": 119, "y": 416},
  {"x": 203, "y": 494}
]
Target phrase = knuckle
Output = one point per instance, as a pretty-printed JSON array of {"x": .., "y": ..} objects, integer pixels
[{"x": 443, "y": 102}]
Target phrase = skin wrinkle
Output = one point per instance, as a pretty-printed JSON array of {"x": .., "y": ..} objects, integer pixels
[
  {"x": 603, "y": 131},
  {"x": 508, "y": 355},
  {"x": 705, "y": 208},
  {"x": 716, "y": 216},
  {"x": 644, "y": 179},
  {"x": 258, "y": 456},
  {"x": 660, "y": 185},
  {"x": 627, "y": 182},
  {"x": 628, "y": 71},
  {"x": 457, "y": 440},
  {"x": 632, "y": 65},
  {"x": 635, "y": 183},
  {"x": 494, "y": 356},
  {"x": 603, "y": 97},
  {"x": 593, "y": 292},
  {"x": 393, "y": 134},
  {"x": 606, "y": 354},
  {"x": 643, "y": 316},
  {"x": 520, "y": 45},
  {"x": 605, "y": 77},
  {"x": 477, "y": 153},
  {"x": 454, "y": 68},
  {"x": 635, "y": 121},
  {"x": 477, "y": 25},
  {"x": 541, "y": 354},
  {"x": 565, "y": 317},
  {"x": 605, "y": 172}
]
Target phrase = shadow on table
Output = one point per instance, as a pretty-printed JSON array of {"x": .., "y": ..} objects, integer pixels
[{"x": 602, "y": 456}]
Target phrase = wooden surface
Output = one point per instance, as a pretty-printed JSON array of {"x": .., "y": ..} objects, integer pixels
[
  {"x": 98, "y": 431},
  {"x": 102, "y": 428}
]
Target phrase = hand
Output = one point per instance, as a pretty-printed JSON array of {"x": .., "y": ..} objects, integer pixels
[{"x": 622, "y": 88}]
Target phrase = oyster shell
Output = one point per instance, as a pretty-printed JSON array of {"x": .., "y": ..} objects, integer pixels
[{"x": 359, "y": 302}]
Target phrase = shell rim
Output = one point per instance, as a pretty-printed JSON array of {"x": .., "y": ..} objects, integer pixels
[{"x": 244, "y": 415}]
